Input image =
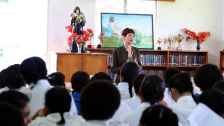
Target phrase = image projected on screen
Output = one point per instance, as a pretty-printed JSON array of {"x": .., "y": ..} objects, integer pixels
[
  {"x": 113, "y": 23},
  {"x": 3, "y": 0}
]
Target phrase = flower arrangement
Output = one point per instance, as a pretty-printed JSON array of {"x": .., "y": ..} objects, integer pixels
[
  {"x": 172, "y": 42},
  {"x": 200, "y": 37},
  {"x": 79, "y": 38}
]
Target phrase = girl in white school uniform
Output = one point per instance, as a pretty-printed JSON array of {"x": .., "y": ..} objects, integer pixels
[
  {"x": 135, "y": 101},
  {"x": 34, "y": 71},
  {"x": 167, "y": 75},
  {"x": 57, "y": 106},
  {"x": 12, "y": 79},
  {"x": 158, "y": 115},
  {"x": 128, "y": 73},
  {"x": 181, "y": 89},
  {"x": 210, "y": 111},
  {"x": 99, "y": 101},
  {"x": 151, "y": 92}
]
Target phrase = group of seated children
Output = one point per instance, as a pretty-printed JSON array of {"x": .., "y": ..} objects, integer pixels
[{"x": 30, "y": 97}]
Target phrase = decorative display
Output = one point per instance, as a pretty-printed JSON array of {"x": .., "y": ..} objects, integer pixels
[
  {"x": 171, "y": 42},
  {"x": 200, "y": 37},
  {"x": 78, "y": 35},
  {"x": 113, "y": 23}
]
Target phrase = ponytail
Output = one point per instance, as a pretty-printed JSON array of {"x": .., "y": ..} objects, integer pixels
[
  {"x": 62, "y": 121},
  {"x": 130, "y": 90},
  {"x": 195, "y": 98}
]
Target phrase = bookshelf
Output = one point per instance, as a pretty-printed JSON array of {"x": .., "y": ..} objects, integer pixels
[
  {"x": 163, "y": 59},
  {"x": 221, "y": 60}
]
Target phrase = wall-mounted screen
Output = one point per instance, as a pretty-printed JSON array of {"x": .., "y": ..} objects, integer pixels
[{"x": 112, "y": 25}]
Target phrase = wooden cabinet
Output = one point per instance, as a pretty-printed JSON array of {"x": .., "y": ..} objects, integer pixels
[
  {"x": 188, "y": 60},
  {"x": 165, "y": 0},
  {"x": 68, "y": 63},
  {"x": 222, "y": 60},
  {"x": 100, "y": 59},
  {"x": 163, "y": 59}
]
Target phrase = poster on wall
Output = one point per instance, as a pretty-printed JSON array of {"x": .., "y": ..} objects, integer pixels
[
  {"x": 1, "y": 52},
  {"x": 112, "y": 25},
  {"x": 1, "y": 1}
]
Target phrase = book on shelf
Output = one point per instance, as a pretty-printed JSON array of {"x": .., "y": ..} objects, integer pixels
[
  {"x": 186, "y": 60},
  {"x": 152, "y": 59}
]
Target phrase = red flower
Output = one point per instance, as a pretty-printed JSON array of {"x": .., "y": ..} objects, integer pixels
[
  {"x": 89, "y": 30},
  {"x": 86, "y": 36},
  {"x": 202, "y": 36},
  {"x": 199, "y": 37},
  {"x": 69, "y": 28}
]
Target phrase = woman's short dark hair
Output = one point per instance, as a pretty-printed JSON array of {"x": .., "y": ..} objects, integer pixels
[
  {"x": 181, "y": 82},
  {"x": 152, "y": 89},
  {"x": 79, "y": 80},
  {"x": 33, "y": 69},
  {"x": 10, "y": 115},
  {"x": 58, "y": 100},
  {"x": 99, "y": 100},
  {"x": 206, "y": 76},
  {"x": 158, "y": 116},
  {"x": 126, "y": 31}
]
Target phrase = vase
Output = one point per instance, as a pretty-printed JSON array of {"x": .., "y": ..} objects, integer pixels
[
  {"x": 198, "y": 46},
  {"x": 83, "y": 48},
  {"x": 74, "y": 47}
]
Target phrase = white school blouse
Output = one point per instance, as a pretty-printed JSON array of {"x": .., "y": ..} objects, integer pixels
[
  {"x": 38, "y": 95},
  {"x": 133, "y": 117},
  {"x": 204, "y": 116},
  {"x": 183, "y": 108}
]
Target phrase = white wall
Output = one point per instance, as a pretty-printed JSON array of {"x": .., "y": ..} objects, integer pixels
[
  {"x": 59, "y": 17},
  {"x": 198, "y": 15},
  {"x": 222, "y": 15},
  {"x": 23, "y": 30},
  {"x": 117, "y": 6}
]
